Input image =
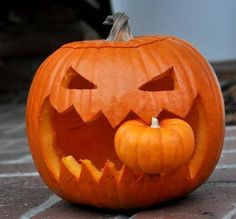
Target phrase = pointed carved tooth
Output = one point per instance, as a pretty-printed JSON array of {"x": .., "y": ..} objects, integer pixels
[
  {"x": 61, "y": 102},
  {"x": 87, "y": 113},
  {"x": 109, "y": 170},
  {"x": 89, "y": 171},
  {"x": 107, "y": 187},
  {"x": 69, "y": 173},
  {"x": 119, "y": 116},
  {"x": 145, "y": 115},
  {"x": 125, "y": 186},
  {"x": 73, "y": 167}
]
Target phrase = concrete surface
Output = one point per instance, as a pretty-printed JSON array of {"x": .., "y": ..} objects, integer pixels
[{"x": 23, "y": 194}]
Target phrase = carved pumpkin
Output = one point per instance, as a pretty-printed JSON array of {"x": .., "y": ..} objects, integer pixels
[{"x": 85, "y": 91}]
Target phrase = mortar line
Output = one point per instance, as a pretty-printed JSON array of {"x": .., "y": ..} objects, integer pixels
[
  {"x": 15, "y": 129},
  {"x": 231, "y": 213},
  {"x": 229, "y": 151},
  {"x": 226, "y": 166},
  {"x": 24, "y": 159},
  {"x": 18, "y": 174},
  {"x": 41, "y": 208}
]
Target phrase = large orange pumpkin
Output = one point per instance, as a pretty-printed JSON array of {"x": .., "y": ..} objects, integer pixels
[{"x": 85, "y": 91}]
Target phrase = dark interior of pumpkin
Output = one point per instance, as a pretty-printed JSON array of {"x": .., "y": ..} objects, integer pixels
[{"x": 95, "y": 140}]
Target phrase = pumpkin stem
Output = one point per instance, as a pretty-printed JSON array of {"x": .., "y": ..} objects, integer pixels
[
  {"x": 120, "y": 30},
  {"x": 155, "y": 123}
]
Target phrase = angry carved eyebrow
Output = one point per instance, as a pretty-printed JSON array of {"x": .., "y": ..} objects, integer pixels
[
  {"x": 74, "y": 80},
  {"x": 163, "y": 82}
]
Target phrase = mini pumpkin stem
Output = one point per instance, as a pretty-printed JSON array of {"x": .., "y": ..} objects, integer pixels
[
  {"x": 120, "y": 30},
  {"x": 155, "y": 123}
]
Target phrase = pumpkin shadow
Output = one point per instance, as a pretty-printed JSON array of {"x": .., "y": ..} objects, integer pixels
[
  {"x": 89, "y": 211},
  {"x": 86, "y": 210}
]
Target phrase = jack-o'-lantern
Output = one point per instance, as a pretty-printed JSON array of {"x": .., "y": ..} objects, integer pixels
[{"x": 85, "y": 91}]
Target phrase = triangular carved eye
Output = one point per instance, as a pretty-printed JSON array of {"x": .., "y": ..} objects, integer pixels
[
  {"x": 73, "y": 80},
  {"x": 163, "y": 82}
]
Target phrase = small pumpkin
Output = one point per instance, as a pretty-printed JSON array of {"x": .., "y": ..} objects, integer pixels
[
  {"x": 85, "y": 92},
  {"x": 155, "y": 149}
]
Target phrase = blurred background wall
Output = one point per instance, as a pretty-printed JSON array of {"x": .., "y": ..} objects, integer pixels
[
  {"x": 31, "y": 30},
  {"x": 210, "y": 25}
]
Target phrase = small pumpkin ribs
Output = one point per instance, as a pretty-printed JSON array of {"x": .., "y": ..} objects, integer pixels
[{"x": 157, "y": 148}]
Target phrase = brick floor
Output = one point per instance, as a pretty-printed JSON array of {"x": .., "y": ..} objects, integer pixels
[{"x": 23, "y": 194}]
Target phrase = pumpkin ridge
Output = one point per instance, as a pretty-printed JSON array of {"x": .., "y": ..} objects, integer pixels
[
  {"x": 212, "y": 77},
  {"x": 137, "y": 151},
  {"x": 109, "y": 171},
  {"x": 183, "y": 67},
  {"x": 54, "y": 96},
  {"x": 148, "y": 77},
  {"x": 87, "y": 182},
  {"x": 212, "y": 83},
  {"x": 173, "y": 128},
  {"x": 183, "y": 78}
]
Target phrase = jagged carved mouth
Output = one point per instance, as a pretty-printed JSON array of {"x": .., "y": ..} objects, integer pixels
[{"x": 67, "y": 135}]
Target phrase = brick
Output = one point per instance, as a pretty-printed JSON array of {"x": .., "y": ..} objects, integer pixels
[
  {"x": 209, "y": 201},
  {"x": 66, "y": 210},
  {"x": 21, "y": 194},
  {"x": 229, "y": 145},
  {"x": 223, "y": 175},
  {"x": 12, "y": 157},
  {"x": 228, "y": 158},
  {"x": 230, "y": 131},
  {"x": 12, "y": 168}
]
